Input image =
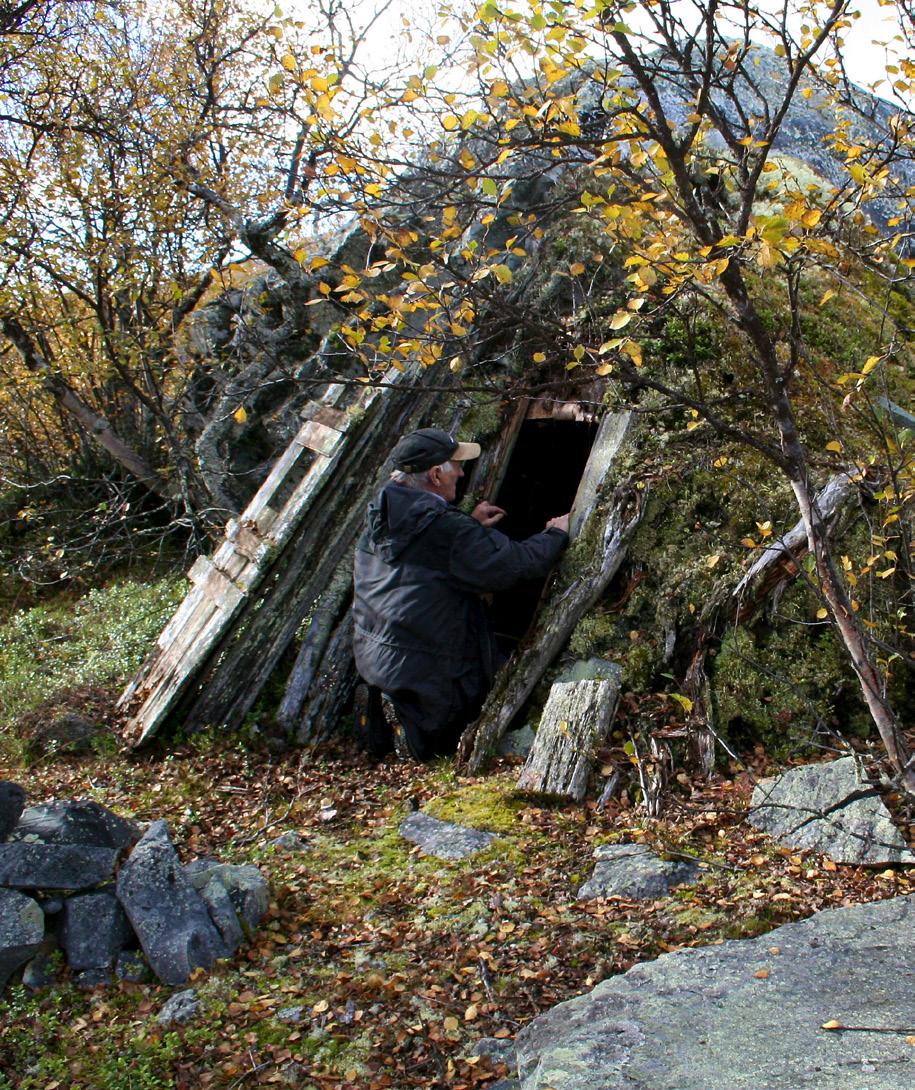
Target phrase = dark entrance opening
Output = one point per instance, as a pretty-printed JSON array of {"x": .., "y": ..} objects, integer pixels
[{"x": 542, "y": 478}]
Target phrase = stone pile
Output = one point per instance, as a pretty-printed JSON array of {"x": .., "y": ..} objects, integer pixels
[{"x": 82, "y": 885}]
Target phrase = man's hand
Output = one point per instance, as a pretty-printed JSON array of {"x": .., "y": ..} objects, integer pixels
[
  {"x": 561, "y": 522},
  {"x": 487, "y": 514}
]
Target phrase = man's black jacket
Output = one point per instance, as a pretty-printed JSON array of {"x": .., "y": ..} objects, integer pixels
[{"x": 421, "y": 567}]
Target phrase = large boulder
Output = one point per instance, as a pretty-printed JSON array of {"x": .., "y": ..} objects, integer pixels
[
  {"x": 12, "y": 800},
  {"x": 76, "y": 822},
  {"x": 635, "y": 872},
  {"x": 169, "y": 916},
  {"x": 26, "y": 865},
  {"x": 745, "y": 1015},
  {"x": 829, "y": 808},
  {"x": 21, "y": 931},
  {"x": 95, "y": 929}
]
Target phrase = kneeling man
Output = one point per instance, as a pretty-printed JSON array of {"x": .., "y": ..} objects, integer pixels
[{"x": 421, "y": 636}]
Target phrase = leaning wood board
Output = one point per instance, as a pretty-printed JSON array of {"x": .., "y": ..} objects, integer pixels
[{"x": 224, "y": 582}]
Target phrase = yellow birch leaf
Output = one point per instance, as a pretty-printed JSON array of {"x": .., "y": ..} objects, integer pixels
[
  {"x": 827, "y": 295},
  {"x": 822, "y": 614},
  {"x": 620, "y": 319},
  {"x": 577, "y": 269},
  {"x": 471, "y": 1013},
  {"x": 608, "y": 346},
  {"x": 835, "y": 445},
  {"x": 832, "y": 1024},
  {"x": 240, "y": 416},
  {"x": 634, "y": 351},
  {"x": 288, "y": 62}
]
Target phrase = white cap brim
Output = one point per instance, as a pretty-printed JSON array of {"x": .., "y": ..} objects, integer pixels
[{"x": 466, "y": 452}]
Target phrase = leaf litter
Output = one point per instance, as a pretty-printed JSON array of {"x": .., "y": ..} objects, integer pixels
[{"x": 399, "y": 963}]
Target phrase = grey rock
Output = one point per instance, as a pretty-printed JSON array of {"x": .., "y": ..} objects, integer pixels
[
  {"x": 97, "y": 977},
  {"x": 246, "y": 886},
  {"x": 289, "y": 842},
  {"x": 497, "y": 1050},
  {"x": 516, "y": 743},
  {"x": 78, "y": 822},
  {"x": 635, "y": 872},
  {"x": 24, "y": 865},
  {"x": 290, "y": 1015},
  {"x": 94, "y": 930},
  {"x": 505, "y": 1084},
  {"x": 443, "y": 839},
  {"x": 21, "y": 931},
  {"x": 829, "y": 808},
  {"x": 131, "y": 966},
  {"x": 168, "y": 915},
  {"x": 179, "y": 1008},
  {"x": 222, "y": 912},
  {"x": 701, "y": 1019},
  {"x": 12, "y": 800},
  {"x": 45, "y": 967}
]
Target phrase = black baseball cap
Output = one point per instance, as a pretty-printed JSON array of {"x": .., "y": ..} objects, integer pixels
[{"x": 428, "y": 447}]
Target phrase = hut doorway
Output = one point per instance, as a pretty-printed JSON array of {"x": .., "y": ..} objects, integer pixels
[{"x": 540, "y": 481}]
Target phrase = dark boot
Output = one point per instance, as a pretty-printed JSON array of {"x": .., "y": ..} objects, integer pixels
[{"x": 373, "y": 731}]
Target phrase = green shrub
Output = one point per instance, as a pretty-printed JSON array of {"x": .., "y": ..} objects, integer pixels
[{"x": 99, "y": 639}]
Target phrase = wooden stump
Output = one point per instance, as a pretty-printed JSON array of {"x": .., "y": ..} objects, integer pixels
[{"x": 575, "y": 722}]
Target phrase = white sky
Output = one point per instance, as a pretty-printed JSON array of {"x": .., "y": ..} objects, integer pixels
[{"x": 865, "y": 58}]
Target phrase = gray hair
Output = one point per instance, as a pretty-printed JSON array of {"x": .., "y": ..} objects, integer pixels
[{"x": 415, "y": 480}]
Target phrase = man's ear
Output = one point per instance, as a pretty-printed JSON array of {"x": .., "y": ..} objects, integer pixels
[{"x": 435, "y": 475}]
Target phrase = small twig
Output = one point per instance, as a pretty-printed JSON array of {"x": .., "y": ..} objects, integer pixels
[
  {"x": 487, "y": 982},
  {"x": 240, "y": 841},
  {"x": 835, "y": 1027},
  {"x": 700, "y": 859}
]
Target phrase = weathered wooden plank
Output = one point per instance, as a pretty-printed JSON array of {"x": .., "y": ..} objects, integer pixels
[
  {"x": 215, "y": 584},
  {"x": 274, "y": 480},
  {"x": 333, "y": 687},
  {"x": 247, "y": 541},
  {"x": 325, "y": 414},
  {"x": 557, "y": 618},
  {"x": 195, "y": 631},
  {"x": 324, "y": 618},
  {"x": 318, "y": 437},
  {"x": 611, "y": 435},
  {"x": 574, "y": 724}
]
